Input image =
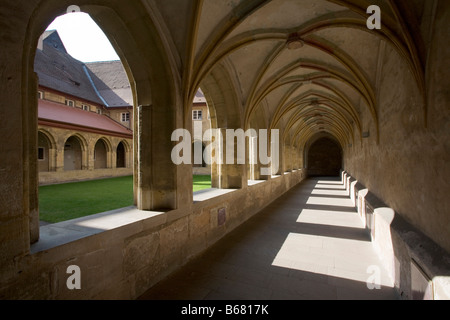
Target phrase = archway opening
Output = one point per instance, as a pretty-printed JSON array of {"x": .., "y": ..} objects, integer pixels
[
  {"x": 82, "y": 97},
  {"x": 43, "y": 153},
  {"x": 324, "y": 158},
  {"x": 73, "y": 154},
  {"x": 120, "y": 156},
  {"x": 100, "y": 155}
]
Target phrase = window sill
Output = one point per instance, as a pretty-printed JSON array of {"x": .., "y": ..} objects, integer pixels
[
  {"x": 54, "y": 235},
  {"x": 207, "y": 194},
  {"x": 255, "y": 182}
]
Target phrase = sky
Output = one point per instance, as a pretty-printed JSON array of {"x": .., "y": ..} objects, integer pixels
[{"x": 82, "y": 37}]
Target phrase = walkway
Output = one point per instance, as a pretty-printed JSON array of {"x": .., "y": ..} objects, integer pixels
[{"x": 309, "y": 244}]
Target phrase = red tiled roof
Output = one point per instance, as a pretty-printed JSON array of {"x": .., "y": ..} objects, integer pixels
[{"x": 58, "y": 115}]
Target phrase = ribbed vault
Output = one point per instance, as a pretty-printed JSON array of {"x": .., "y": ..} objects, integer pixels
[{"x": 307, "y": 67}]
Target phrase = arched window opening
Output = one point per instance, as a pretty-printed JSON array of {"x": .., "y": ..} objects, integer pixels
[
  {"x": 201, "y": 124},
  {"x": 82, "y": 96}
]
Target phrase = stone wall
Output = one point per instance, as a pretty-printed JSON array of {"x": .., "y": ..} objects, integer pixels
[
  {"x": 122, "y": 254},
  {"x": 419, "y": 267},
  {"x": 407, "y": 166},
  {"x": 57, "y": 138},
  {"x": 47, "y": 178}
]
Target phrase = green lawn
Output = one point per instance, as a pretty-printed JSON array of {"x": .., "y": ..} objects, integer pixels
[
  {"x": 73, "y": 200},
  {"x": 201, "y": 182}
]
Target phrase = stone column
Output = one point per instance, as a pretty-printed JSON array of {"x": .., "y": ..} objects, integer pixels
[
  {"x": 280, "y": 167},
  {"x": 252, "y": 158},
  {"x": 52, "y": 159},
  {"x": 113, "y": 158},
  {"x": 228, "y": 167},
  {"x": 156, "y": 173},
  {"x": 88, "y": 157},
  {"x": 59, "y": 167},
  {"x": 30, "y": 157}
]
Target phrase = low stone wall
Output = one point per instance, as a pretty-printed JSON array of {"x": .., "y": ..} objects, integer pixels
[
  {"x": 122, "y": 255},
  {"x": 418, "y": 267},
  {"x": 204, "y": 171},
  {"x": 46, "y": 178}
]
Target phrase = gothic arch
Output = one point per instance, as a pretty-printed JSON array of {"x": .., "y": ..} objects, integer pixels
[{"x": 151, "y": 68}]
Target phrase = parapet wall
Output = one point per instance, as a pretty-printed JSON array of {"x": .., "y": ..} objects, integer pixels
[
  {"x": 419, "y": 268},
  {"x": 121, "y": 254},
  {"x": 46, "y": 178}
]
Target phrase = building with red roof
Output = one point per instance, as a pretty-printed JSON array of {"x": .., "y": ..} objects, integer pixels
[
  {"x": 85, "y": 116},
  {"x": 85, "y": 112}
]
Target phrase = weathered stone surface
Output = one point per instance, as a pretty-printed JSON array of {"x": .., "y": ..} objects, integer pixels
[
  {"x": 383, "y": 96},
  {"x": 140, "y": 252}
]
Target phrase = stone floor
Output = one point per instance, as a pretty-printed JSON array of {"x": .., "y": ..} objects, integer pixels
[{"x": 309, "y": 244}]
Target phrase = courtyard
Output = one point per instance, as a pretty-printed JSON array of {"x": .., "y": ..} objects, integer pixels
[{"x": 62, "y": 202}]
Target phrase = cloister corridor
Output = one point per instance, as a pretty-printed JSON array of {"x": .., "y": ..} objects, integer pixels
[
  {"x": 308, "y": 244},
  {"x": 310, "y": 88}
]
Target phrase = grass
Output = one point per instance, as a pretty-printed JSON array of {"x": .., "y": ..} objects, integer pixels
[
  {"x": 201, "y": 183},
  {"x": 74, "y": 200}
]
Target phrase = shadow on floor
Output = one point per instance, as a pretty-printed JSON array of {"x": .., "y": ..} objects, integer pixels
[{"x": 276, "y": 256}]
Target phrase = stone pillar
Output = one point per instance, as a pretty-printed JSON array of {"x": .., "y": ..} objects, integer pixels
[
  {"x": 156, "y": 173},
  {"x": 59, "y": 156},
  {"x": 31, "y": 162},
  {"x": 227, "y": 173},
  {"x": 18, "y": 143},
  {"x": 290, "y": 157},
  {"x": 252, "y": 158},
  {"x": 88, "y": 157},
  {"x": 144, "y": 159},
  {"x": 113, "y": 159},
  {"x": 52, "y": 159}
]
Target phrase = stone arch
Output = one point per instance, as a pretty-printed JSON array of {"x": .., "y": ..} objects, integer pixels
[
  {"x": 46, "y": 151},
  {"x": 148, "y": 58},
  {"x": 224, "y": 103},
  {"x": 122, "y": 151},
  {"x": 101, "y": 154},
  {"x": 323, "y": 156},
  {"x": 74, "y": 150},
  {"x": 222, "y": 99},
  {"x": 43, "y": 153}
]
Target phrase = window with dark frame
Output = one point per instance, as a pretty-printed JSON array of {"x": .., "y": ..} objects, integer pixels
[
  {"x": 125, "y": 117},
  {"x": 197, "y": 115}
]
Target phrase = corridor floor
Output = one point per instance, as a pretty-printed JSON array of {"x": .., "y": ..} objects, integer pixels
[{"x": 308, "y": 244}]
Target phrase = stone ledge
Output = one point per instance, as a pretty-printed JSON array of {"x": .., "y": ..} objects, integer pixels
[
  {"x": 399, "y": 244},
  {"x": 54, "y": 235},
  {"x": 211, "y": 193}
]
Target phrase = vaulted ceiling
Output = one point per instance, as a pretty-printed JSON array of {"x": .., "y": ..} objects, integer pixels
[{"x": 302, "y": 66}]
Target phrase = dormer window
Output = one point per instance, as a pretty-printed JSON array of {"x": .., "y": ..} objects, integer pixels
[{"x": 70, "y": 103}]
